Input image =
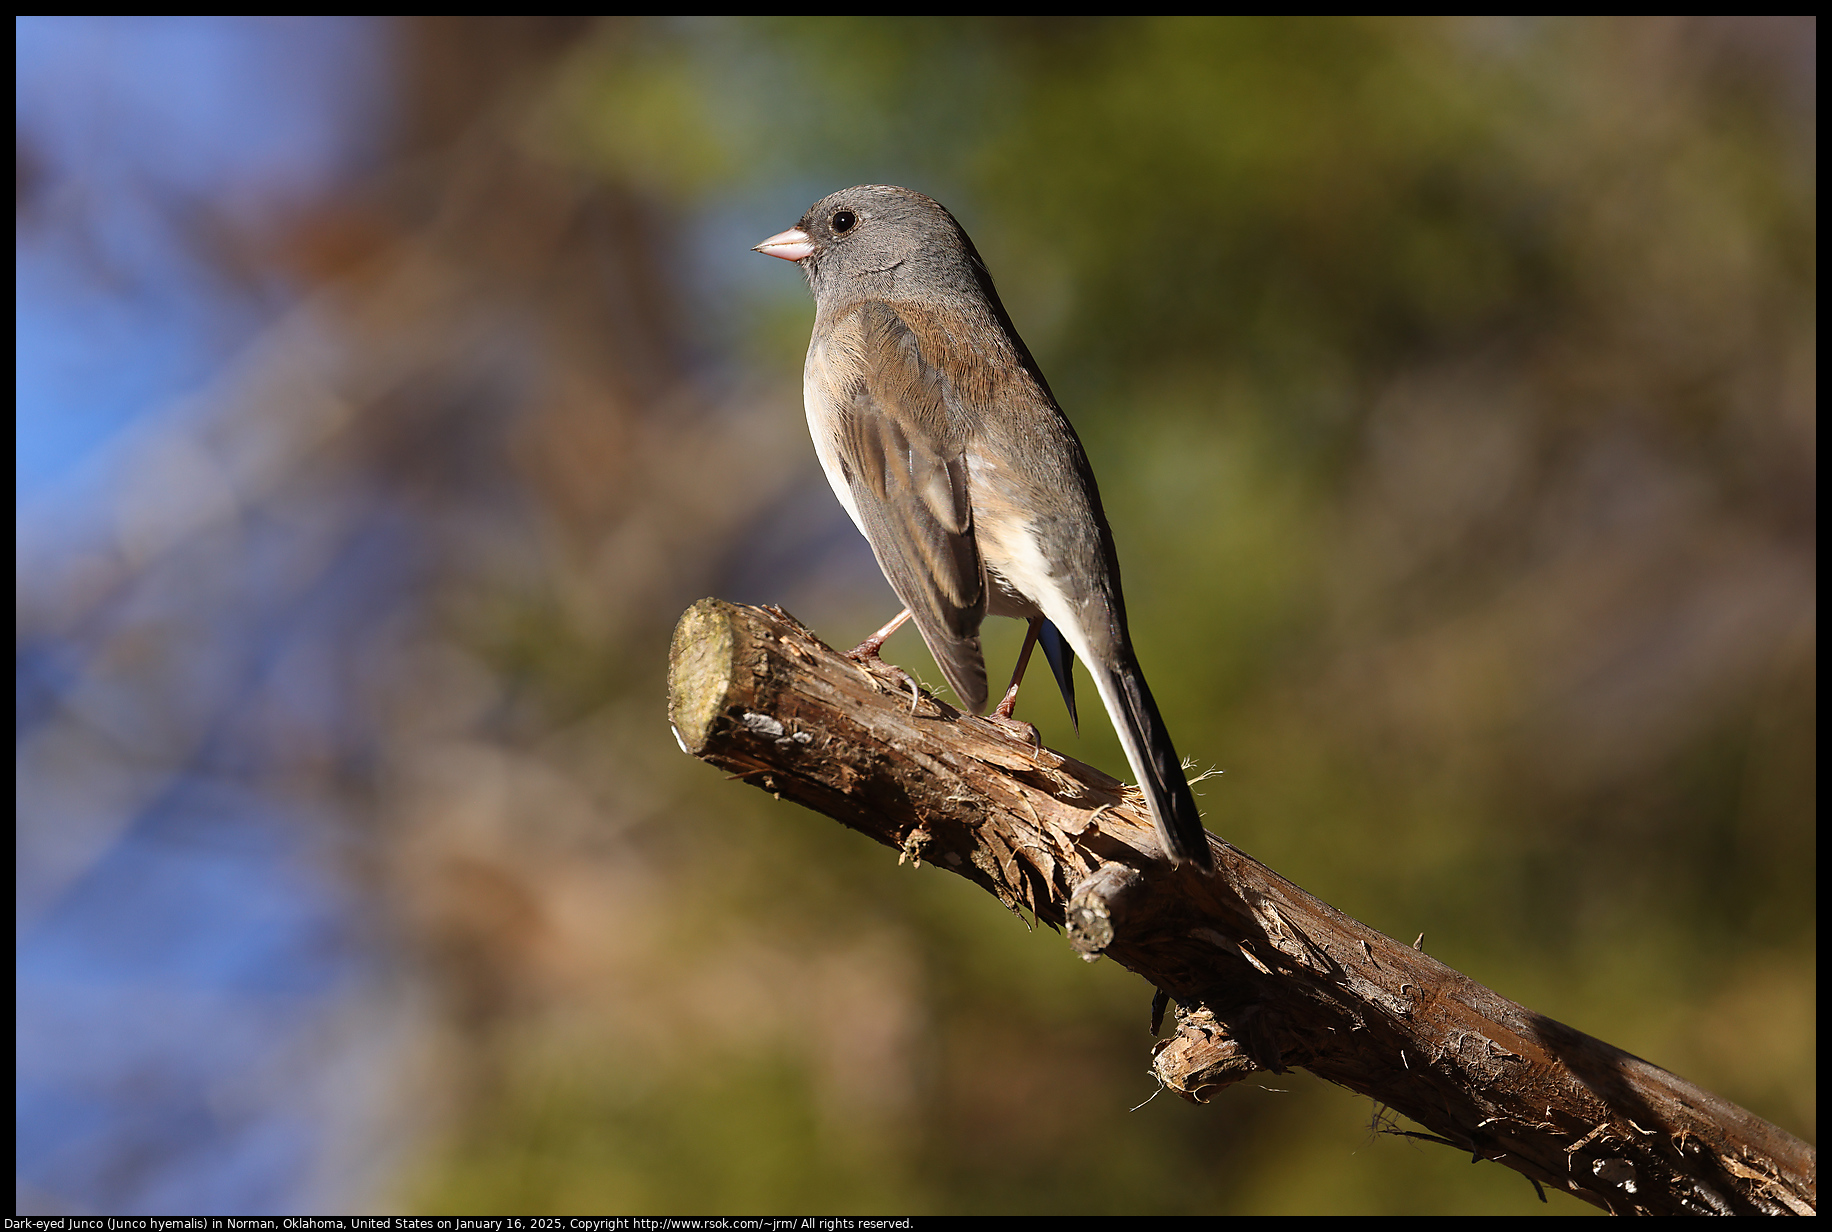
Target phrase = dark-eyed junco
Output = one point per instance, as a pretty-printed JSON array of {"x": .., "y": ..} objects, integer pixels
[{"x": 942, "y": 440}]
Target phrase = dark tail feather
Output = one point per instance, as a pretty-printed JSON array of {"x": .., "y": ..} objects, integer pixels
[
  {"x": 1173, "y": 808},
  {"x": 1062, "y": 665}
]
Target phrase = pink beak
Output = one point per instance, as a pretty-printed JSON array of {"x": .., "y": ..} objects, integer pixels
[{"x": 790, "y": 245}]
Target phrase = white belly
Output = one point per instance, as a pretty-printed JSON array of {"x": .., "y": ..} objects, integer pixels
[
  {"x": 826, "y": 448},
  {"x": 1015, "y": 565}
]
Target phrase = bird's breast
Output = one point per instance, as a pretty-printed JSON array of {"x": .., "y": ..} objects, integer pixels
[{"x": 824, "y": 383}]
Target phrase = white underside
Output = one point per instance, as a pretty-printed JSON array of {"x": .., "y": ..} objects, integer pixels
[{"x": 826, "y": 448}]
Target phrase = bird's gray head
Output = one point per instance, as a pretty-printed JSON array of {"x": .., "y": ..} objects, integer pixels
[{"x": 879, "y": 241}]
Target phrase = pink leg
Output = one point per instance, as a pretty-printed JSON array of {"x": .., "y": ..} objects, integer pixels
[
  {"x": 1001, "y": 713},
  {"x": 866, "y": 652},
  {"x": 1009, "y": 702},
  {"x": 869, "y": 648}
]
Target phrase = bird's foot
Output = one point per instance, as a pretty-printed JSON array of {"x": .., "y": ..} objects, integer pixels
[
  {"x": 1018, "y": 729},
  {"x": 1001, "y": 713},
  {"x": 866, "y": 655}
]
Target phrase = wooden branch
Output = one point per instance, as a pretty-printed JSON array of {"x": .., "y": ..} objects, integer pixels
[{"x": 1265, "y": 976}]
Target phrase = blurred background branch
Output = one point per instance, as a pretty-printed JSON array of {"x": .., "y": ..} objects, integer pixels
[{"x": 386, "y": 388}]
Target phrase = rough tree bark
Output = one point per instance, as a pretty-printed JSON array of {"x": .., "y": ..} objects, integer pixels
[{"x": 1265, "y": 976}]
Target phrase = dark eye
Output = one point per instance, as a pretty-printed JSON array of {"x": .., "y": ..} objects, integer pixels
[{"x": 844, "y": 221}]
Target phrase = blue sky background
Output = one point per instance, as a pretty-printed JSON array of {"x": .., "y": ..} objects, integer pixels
[
  {"x": 131, "y": 118},
  {"x": 166, "y": 989}
]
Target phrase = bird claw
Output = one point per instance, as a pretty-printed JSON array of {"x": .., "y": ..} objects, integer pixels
[
  {"x": 865, "y": 654},
  {"x": 1018, "y": 729},
  {"x": 904, "y": 678}
]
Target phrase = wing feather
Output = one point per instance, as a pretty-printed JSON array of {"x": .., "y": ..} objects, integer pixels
[{"x": 904, "y": 459}]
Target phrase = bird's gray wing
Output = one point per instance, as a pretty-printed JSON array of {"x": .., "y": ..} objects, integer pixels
[{"x": 903, "y": 456}]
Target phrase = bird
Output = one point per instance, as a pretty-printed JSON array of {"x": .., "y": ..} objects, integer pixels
[{"x": 942, "y": 440}]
